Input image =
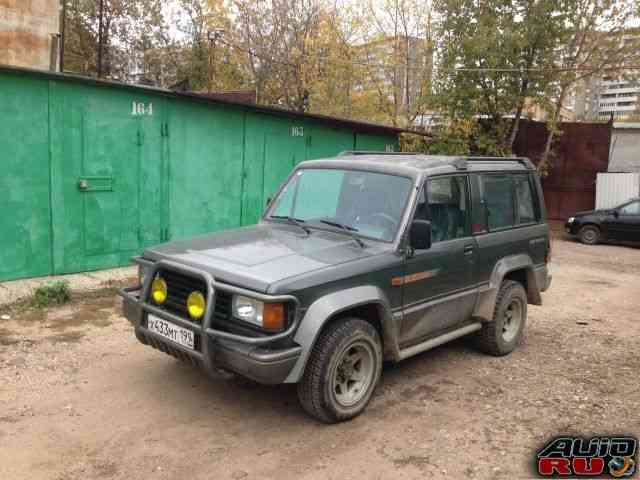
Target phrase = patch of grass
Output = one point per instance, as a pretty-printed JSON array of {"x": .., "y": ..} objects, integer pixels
[{"x": 55, "y": 293}]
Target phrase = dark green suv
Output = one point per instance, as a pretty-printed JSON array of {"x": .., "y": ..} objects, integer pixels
[{"x": 358, "y": 259}]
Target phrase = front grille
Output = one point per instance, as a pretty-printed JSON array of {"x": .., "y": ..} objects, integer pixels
[
  {"x": 222, "y": 310},
  {"x": 179, "y": 286}
]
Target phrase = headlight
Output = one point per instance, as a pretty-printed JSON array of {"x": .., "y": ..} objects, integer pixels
[
  {"x": 269, "y": 316},
  {"x": 196, "y": 305},
  {"x": 571, "y": 219},
  {"x": 159, "y": 290}
]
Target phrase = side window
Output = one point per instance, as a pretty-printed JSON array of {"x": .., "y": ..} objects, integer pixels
[
  {"x": 448, "y": 206},
  {"x": 498, "y": 198},
  {"x": 631, "y": 209},
  {"x": 524, "y": 195}
]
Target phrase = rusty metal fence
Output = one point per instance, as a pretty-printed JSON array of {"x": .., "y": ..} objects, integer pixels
[{"x": 579, "y": 153}]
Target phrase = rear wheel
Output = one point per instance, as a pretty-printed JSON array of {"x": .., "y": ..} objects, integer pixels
[
  {"x": 342, "y": 372},
  {"x": 589, "y": 235},
  {"x": 502, "y": 335}
]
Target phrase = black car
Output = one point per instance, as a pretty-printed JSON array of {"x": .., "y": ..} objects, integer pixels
[{"x": 619, "y": 223}]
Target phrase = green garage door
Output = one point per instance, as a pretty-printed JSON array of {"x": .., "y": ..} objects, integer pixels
[
  {"x": 106, "y": 175},
  {"x": 205, "y": 177},
  {"x": 25, "y": 243},
  {"x": 273, "y": 147},
  {"x": 325, "y": 142}
]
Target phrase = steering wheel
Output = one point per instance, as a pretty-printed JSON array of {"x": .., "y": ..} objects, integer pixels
[{"x": 391, "y": 223}]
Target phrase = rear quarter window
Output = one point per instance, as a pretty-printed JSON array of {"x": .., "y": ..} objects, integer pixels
[
  {"x": 525, "y": 200},
  {"x": 499, "y": 201}
]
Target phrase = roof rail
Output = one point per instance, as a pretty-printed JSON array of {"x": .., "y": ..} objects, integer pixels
[
  {"x": 522, "y": 160},
  {"x": 373, "y": 152}
]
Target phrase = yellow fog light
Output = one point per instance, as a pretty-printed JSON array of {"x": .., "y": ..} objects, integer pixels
[
  {"x": 196, "y": 305},
  {"x": 159, "y": 290}
]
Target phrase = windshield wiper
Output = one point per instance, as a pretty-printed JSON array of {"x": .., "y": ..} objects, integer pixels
[
  {"x": 349, "y": 230},
  {"x": 293, "y": 221}
]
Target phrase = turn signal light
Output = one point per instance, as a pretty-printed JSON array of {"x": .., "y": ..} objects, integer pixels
[{"x": 273, "y": 316}]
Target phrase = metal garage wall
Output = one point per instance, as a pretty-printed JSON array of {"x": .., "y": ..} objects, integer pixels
[
  {"x": 326, "y": 142},
  {"x": 25, "y": 242},
  {"x": 95, "y": 172},
  {"x": 205, "y": 172},
  {"x": 365, "y": 141}
]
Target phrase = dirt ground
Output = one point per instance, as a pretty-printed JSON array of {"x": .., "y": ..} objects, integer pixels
[{"x": 80, "y": 398}]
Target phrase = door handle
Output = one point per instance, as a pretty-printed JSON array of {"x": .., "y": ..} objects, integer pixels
[{"x": 468, "y": 249}]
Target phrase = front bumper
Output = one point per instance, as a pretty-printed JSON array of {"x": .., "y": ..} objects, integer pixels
[
  {"x": 262, "y": 359},
  {"x": 571, "y": 227}
]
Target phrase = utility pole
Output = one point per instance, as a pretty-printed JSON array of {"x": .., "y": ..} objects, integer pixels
[
  {"x": 213, "y": 36},
  {"x": 63, "y": 25},
  {"x": 100, "y": 38}
]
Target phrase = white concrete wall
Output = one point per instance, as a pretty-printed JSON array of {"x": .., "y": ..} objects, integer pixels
[{"x": 612, "y": 189}]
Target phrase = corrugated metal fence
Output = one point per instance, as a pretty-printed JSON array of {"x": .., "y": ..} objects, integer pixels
[
  {"x": 614, "y": 189},
  {"x": 93, "y": 173}
]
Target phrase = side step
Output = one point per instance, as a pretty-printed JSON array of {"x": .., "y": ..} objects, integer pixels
[{"x": 434, "y": 342}]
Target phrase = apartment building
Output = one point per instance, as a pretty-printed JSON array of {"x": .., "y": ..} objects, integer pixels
[{"x": 611, "y": 96}]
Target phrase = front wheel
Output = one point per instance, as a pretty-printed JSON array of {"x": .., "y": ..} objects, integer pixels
[
  {"x": 343, "y": 371},
  {"x": 589, "y": 235}
]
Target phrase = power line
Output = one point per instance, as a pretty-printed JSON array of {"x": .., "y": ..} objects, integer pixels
[{"x": 387, "y": 66}]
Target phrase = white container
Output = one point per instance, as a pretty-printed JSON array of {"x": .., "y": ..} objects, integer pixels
[{"x": 612, "y": 189}]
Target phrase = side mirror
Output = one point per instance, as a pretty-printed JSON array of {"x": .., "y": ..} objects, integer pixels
[
  {"x": 268, "y": 201},
  {"x": 616, "y": 213},
  {"x": 420, "y": 235}
]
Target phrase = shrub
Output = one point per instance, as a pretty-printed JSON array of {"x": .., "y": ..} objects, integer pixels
[{"x": 55, "y": 293}]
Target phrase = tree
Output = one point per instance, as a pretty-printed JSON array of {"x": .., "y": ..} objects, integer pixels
[
  {"x": 593, "y": 44},
  {"x": 492, "y": 60},
  {"x": 396, "y": 50},
  {"x": 285, "y": 46},
  {"x": 109, "y": 38}
]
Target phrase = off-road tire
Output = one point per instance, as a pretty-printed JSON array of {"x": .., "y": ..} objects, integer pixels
[
  {"x": 316, "y": 391},
  {"x": 491, "y": 339},
  {"x": 589, "y": 235}
]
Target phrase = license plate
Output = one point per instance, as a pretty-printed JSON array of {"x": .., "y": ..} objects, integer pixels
[{"x": 170, "y": 331}]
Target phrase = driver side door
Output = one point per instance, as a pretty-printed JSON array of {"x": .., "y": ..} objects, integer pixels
[{"x": 437, "y": 289}]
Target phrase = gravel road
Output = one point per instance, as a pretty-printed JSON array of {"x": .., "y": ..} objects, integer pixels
[{"x": 80, "y": 398}]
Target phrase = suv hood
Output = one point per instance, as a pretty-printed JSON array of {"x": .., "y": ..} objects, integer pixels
[{"x": 256, "y": 257}]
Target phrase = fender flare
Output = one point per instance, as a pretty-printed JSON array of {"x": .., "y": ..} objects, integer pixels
[
  {"x": 485, "y": 305},
  {"x": 325, "y": 308}
]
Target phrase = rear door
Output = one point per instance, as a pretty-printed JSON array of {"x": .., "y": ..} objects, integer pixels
[{"x": 438, "y": 291}]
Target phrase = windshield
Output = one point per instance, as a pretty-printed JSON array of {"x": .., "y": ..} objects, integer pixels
[{"x": 368, "y": 203}]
